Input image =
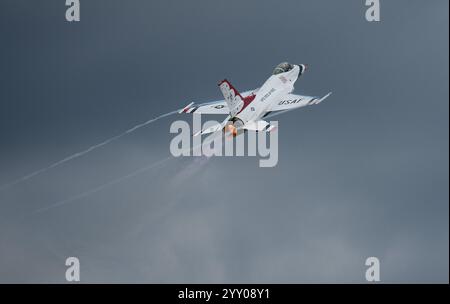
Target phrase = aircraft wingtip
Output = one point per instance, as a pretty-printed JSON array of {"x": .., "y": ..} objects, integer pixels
[
  {"x": 185, "y": 108},
  {"x": 326, "y": 96}
]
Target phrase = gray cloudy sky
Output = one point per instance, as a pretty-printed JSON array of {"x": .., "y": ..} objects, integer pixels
[{"x": 363, "y": 174}]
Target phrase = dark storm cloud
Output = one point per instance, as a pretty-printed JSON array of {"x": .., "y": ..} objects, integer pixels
[{"x": 363, "y": 174}]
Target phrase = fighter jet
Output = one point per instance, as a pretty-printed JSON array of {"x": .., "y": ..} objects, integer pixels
[{"x": 246, "y": 111}]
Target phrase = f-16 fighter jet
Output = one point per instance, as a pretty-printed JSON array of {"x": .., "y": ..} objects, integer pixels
[{"x": 246, "y": 111}]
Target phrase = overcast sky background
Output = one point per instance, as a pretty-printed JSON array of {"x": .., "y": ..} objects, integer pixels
[{"x": 363, "y": 174}]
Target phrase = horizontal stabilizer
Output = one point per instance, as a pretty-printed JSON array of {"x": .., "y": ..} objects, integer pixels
[
  {"x": 215, "y": 128},
  {"x": 259, "y": 126}
]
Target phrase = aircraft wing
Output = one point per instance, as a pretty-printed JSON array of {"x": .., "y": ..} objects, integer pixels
[
  {"x": 213, "y": 107},
  {"x": 218, "y": 107},
  {"x": 292, "y": 101}
]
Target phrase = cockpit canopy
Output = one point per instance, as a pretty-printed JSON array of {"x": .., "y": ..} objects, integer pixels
[{"x": 282, "y": 67}]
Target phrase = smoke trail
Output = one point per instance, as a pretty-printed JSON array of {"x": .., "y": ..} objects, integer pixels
[
  {"x": 81, "y": 153},
  {"x": 101, "y": 187},
  {"x": 120, "y": 179}
]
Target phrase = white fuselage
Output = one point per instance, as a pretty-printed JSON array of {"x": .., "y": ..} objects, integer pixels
[{"x": 269, "y": 93}]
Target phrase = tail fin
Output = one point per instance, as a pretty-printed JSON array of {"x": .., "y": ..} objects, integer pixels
[{"x": 232, "y": 97}]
